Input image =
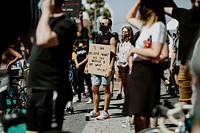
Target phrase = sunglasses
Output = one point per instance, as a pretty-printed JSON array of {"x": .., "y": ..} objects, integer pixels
[
  {"x": 125, "y": 31},
  {"x": 102, "y": 23}
]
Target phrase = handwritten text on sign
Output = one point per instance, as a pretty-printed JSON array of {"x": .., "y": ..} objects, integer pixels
[{"x": 98, "y": 59}]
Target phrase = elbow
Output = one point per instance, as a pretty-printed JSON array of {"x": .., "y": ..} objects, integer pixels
[
  {"x": 127, "y": 18},
  {"x": 19, "y": 57},
  {"x": 41, "y": 42}
]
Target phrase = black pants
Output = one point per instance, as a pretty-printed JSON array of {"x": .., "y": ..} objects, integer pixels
[{"x": 81, "y": 77}]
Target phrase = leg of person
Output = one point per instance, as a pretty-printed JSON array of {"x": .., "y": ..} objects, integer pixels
[
  {"x": 89, "y": 85},
  {"x": 124, "y": 80},
  {"x": 185, "y": 89},
  {"x": 80, "y": 77},
  {"x": 39, "y": 111},
  {"x": 107, "y": 96},
  {"x": 112, "y": 85},
  {"x": 96, "y": 81},
  {"x": 153, "y": 122},
  {"x": 119, "y": 83},
  {"x": 63, "y": 96},
  {"x": 140, "y": 123}
]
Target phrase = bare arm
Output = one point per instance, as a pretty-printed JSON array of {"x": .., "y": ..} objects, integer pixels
[
  {"x": 153, "y": 52},
  {"x": 45, "y": 37},
  {"x": 16, "y": 55},
  {"x": 131, "y": 16},
  {"x": 113, "y": 49},
  {"x": 80, "y": 26},
  {"x": 173, "y": 57},
  {"x": 168, "y": 10}
]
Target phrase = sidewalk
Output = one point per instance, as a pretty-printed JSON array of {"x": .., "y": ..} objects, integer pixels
[{"x": 76, "y": 123}]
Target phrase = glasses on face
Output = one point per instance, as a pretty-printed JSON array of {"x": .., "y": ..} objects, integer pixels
[
  {"x": 124, "y": 31},
  {"x": 102, "y": 23}
]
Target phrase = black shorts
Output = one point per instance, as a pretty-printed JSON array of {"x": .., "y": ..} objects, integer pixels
[{"x": 41, "y": 109}]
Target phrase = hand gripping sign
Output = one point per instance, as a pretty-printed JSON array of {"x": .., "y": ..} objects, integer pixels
[{"x": 98, "y": 59}]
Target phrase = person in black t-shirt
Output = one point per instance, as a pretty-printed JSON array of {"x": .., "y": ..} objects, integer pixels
[
  {"x": 189, "y": 26},
  {"x": 81, "y": 60},
  {"x": 48, "y": 70},
  {"x": 105, "y": 38}
]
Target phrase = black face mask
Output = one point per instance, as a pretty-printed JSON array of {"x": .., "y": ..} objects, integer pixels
[
  {"x": 126, "y": 35},
  {"x": 102, "y": 28}
]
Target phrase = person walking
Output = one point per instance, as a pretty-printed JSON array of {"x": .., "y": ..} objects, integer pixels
[
  {"x": 145, "y": 76},
  {"x": 105, "y": 38},
  {"x": 189, "y": 25},
  {"x": 48, "y": 70}
]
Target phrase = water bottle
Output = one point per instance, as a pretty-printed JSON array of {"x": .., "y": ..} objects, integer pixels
[{"x": 128, "y": 122}]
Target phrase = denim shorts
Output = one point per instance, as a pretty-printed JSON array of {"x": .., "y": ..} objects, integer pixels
[{"x": 100, "y": 80}]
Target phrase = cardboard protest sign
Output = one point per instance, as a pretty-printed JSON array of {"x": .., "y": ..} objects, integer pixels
[
  {"x": 98, "y": 59},
  {"x": 72, "y": 7}
]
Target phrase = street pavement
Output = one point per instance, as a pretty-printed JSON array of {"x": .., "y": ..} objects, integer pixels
[{"x": 75, "y": 123}]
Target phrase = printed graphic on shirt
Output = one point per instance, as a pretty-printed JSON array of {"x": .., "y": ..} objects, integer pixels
[{"x": 148, "y": 42}]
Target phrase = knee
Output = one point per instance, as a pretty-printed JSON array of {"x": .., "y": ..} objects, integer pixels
[{"x": 95, "y": 89}]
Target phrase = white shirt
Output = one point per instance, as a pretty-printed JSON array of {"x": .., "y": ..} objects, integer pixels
[
  {"x": 123, "y": 52},
  {"x": 156, "y": 33}
]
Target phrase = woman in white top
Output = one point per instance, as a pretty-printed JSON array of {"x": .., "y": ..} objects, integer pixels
[
  {"x": 122, "y": 63},
  {"x": 145, "y": 77}
]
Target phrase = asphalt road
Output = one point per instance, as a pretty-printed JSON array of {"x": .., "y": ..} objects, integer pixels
[{"x": 75, "y": 123}]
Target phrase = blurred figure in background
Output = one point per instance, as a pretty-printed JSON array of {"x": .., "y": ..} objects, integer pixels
[
  {"x": 9, "y": 57},
  {"x": 189, "y": 24},
  {"x": 49, "y": 68}
]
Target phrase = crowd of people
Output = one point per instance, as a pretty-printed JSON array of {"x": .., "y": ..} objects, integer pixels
[{"x": 58, "y": 64}]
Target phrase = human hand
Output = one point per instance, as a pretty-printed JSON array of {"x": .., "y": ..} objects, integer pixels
[
  {"x": 86, "y": 70},
  {"x": 48, "y": 5},
  {"x": 77, "y": 66},
  {"x": 108, "y": 73},
  {"x": 81, "y": 14}
]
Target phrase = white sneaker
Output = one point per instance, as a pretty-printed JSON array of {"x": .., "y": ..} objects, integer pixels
[
  {"x": 89, "y": 101},
  {"x": 76, "y": 100},
  {"x": 103, "y": 115},
  {"x": 93, "y": 113}
]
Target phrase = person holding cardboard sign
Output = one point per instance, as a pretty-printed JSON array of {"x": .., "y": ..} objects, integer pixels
[{"x": 105, "y": 38}]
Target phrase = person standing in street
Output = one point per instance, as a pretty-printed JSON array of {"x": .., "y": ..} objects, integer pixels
[
  {"x": 105, "y": 38},
  {"x": 189, "y": 26},
  {"x": 145, "y": 77},
  {"x": 48, "y": 70},
  {"x": 122, "y": 55}
]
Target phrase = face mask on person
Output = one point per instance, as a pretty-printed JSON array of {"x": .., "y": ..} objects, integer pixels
[
  {"x": 126, "y": 35},
  {"x": 102, "y": 28}
]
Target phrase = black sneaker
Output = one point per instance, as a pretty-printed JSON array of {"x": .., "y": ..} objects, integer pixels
[
  {"x": 70, "y": 110},
  {"x": 119, "y": 96}
]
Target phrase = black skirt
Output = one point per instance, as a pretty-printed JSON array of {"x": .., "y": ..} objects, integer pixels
[{"x": 143, "y": 91}]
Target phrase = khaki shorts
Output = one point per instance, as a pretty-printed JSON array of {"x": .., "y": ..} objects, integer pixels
[{"x": 185, "y": 87}]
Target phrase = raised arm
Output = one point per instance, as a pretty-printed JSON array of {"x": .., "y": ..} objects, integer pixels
[
  {"x": 45, "y": 37},
  {"x": 16, "y": 56},
  {"x": 131, "y": 16},
  {"x": 168, "y": 10}
]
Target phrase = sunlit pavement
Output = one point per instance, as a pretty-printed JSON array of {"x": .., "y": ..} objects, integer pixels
[{"x": 76, "y": 123}]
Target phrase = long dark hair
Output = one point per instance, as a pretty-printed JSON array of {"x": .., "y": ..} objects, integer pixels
[{"x": 130, "y": 33}]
